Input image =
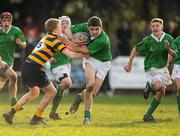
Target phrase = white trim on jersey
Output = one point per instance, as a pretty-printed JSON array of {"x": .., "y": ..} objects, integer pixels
[{"x": 40, "y": 45}]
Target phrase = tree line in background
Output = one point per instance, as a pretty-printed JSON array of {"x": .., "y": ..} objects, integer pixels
[{"x": 134, "y": 15}]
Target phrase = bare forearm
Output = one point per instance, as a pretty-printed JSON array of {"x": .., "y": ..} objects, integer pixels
[
  {"x": 171, "y": 52},
  {"x": 132, "y": 55},
  {"x": 73, "y": 55},
  {"x": 22, "y": 45},
  {"x": 81, "y": 49},
  {"x": 79, "y": 55}
]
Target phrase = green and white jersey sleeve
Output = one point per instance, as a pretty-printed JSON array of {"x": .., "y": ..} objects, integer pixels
[
  {"x": 83, "y": 27},
  {"x": 8, "y": 44},
  {"x": 99, "y": 48},
  {"x": 177, "y": 48},
  {"x": 155, "y": 53}
]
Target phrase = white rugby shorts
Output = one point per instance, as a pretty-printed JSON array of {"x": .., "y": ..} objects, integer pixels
[
  {"x": 162, "y": 75},
  {"x": 100, "y": 67}
]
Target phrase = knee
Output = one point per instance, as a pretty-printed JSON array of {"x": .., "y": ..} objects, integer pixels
[
  {"x": 158, "y": 88},
  {"x": 35, "y": 92},
  {"x": 13, "y": 77},
  {"x": 89, "y": 87},
  {"x": 65, "y": 85},
  {"x": 160, "y": 92}
]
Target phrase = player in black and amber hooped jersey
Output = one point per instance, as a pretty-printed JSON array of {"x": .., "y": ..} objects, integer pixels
[{"x": 34, "y": 76}]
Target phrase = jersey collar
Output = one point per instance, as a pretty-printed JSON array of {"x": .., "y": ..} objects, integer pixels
[
  {"x": 92, "y": 38},
  {"x": 158, "y": 40},
  {"x": 8, "y": 29}
]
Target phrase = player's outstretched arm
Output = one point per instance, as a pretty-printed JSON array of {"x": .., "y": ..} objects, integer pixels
[
  {"x": 74, "y": 55},
  {"x": 80, "y": 49},
  {"x": 75, "y": 47},
  {"x": 128, "y": 66}
]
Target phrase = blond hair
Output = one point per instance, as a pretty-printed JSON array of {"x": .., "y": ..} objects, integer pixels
[
  {"x": 51, "y": 24},
  {"x": 157, "y": 20}
]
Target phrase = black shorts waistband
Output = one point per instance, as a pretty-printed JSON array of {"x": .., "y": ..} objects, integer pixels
[{"x": 33, "y": 64}]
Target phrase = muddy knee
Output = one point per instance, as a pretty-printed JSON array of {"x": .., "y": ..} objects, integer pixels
[
  {"x": 160, "y": 92},
  {"x": 89, "y": 87},
  {"x": 65, "y": 85},
  {"x": 13, "y": 78}
]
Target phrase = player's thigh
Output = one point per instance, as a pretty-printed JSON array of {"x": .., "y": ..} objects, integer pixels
[
  {"x": 49, "y": 88},
  {"x": 97, "y": 86},
  {"x": 2, "y": 81},
  {"x": 157, "y": 85},
  {"x": 89, "y": 74},
  {"x": 34, "y": 91},
  {"x": 10, "y": 73},
  {"x": 177, "y": 80}
]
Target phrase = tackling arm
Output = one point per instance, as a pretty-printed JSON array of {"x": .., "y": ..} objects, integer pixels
[
  {"x": 81, "y": 49},
  {"x": 74, "y": 55},
  {"x": 74, "y": 47}
]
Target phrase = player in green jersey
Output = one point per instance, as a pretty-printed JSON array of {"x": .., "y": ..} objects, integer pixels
[
  {"x": 96, "y": 66},
  {"x": 10, "y": 37},
  {"x": 156, "y": 47},
  {"x": 61, "y": 68},
  {"x": 176, "y": 70}
]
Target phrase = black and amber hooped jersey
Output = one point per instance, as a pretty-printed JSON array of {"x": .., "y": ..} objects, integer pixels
[{"x": 45, "y": 49}]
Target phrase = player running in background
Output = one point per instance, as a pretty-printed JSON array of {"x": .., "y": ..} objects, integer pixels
[
  {"x": 10, "y": 37},
  {"x": 34, "y": 76},
  {"x": 176, "y": 71},
  {"x": 96, "y": 66},
  {"x": 156, "y": 47}
]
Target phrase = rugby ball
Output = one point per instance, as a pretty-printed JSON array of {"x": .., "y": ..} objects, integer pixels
[{"x": 81, "y": 37}]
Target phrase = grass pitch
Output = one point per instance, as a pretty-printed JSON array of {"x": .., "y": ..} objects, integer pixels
[{"x": 117, "y": 116}]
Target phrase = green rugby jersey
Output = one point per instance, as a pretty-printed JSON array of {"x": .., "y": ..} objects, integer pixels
[
  {"x": 8, "y": 44},
  {"x": 99, "y": 48},
  {"x": 61, "y": 60},
  {"x": 177, "y": 47},
  {"x": 155, "y": 54}
]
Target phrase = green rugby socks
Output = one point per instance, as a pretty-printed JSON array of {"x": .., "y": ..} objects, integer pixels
[
  {"x": 153, "y": 106},
  {"x": 57, "y": 99},
  {"x": 13, "y": 101}
]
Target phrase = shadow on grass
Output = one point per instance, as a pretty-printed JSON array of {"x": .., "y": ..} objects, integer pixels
[{"x": 136, "y": 123}]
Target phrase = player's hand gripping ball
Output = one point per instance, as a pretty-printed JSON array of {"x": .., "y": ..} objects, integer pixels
[{"x": 81, "y": 38}]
